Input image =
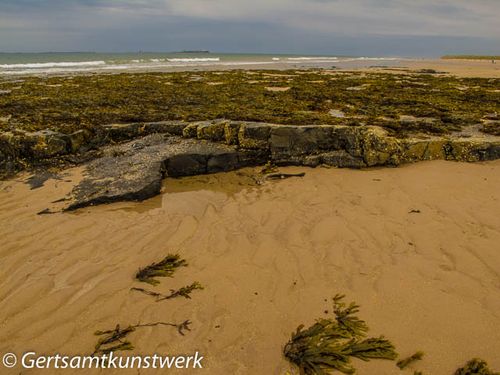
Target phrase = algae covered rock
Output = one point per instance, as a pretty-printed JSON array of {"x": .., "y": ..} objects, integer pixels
[
  {"x": 48, "y": 143},
  {"x": 254, "y": 135},
  {"x": 342, "y": 159},
  {"x": 301, "y": 140},
  {"x": 423, "y": 149},
  {"x": 79, "y": 139},
  {"x": 121, "y": 132},
  {"x": 9, "y": 154},
  {"x": 231, "y": 131},
  {"x": 349, "y": 139},
  {"x": 164, "y": 127},
  {"x": 472, "y": 150},
  {"x": 190, "y": 131},
  {"x": 379, "y": 148},
  {"x": 211, "y": 130}
]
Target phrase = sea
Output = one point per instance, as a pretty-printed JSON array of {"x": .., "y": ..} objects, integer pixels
[{"x": 81, "y": 62}]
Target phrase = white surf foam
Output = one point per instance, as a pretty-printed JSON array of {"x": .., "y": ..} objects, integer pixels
[
  {"x": 311, "y": 58},
  {"x": 194, "y": 59},
  {"x": 68, "y": 64}
]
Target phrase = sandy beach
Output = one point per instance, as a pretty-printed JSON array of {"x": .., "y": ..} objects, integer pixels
[
  {"x": 459, "y": 68},
  {"x": 415, "y": 246}
]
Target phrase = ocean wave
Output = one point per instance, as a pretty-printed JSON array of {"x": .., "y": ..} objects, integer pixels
[
  {"x": 68, "y": 64},
  {"x": 194, "y": 59},
  {"x": 311, "y": 58},
  {"x": 376, "y": 58}
]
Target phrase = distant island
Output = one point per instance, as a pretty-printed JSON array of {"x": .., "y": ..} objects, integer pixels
[{"x": 195, "y": 51}]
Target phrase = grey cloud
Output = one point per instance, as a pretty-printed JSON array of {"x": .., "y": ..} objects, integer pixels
[{"x": 227, "y": 24}]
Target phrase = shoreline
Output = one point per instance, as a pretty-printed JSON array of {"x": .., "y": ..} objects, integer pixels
[{"x": 454, "y": 67}]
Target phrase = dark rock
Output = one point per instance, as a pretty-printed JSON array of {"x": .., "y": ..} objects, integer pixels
[
  {"x": 301, "y": 140},
  {"x": 492, "y": 152},
  {"x": 9, "y": 154},
  {"x": 165, "y": 127},
  {"x": 231, "y": 131},
  {"x": 79, "y": 139},
  {"x": 136, "y": 173},
  {"x": 47, "y": 143},
  {"x": 188, "y": 164},
  {"x": 224, "y": 161},
  {"x": 254, "y": 135},
  {"x": 212, "y": 130},
  {"x": 342, "y": 159},
  {"x": 190, "y": 131},
  {"x": 121, "y": 132}
]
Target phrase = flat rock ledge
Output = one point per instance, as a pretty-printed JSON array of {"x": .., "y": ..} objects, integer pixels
[{"x": 134, "y": 170}]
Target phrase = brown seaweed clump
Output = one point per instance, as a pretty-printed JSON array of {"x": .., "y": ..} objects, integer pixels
[
  {"x": 329, "y": 344},
  {"x": 164, "y": 268},
  {"x": 416, "y": 102},
  {"x": 475, "y": 366},
  {"x": 185, "y": 292},
  {"x": 115, "y": 339},
  {"x": 402, "y": 364}
]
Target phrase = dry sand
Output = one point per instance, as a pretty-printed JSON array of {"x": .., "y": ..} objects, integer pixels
[{"x": 268, "y": 257}]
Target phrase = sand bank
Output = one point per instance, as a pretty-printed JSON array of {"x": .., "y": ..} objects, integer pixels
[
  {"x": 268, "y": 255},
  {"x": 459, "y": 68}
]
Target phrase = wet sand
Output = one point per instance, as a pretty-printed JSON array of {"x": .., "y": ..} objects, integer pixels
[
  {"x": 459, "y": 68},
  {"x": 268, "y": 255}
]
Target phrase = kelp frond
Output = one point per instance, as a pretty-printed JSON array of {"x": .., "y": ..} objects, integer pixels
[
  {"x": 329, "y": 344},
  {"x": 346, "y": 317},
  {"x": 402, "y": 364},
  {"x": 165, "y": 268},
  {"x": 114, "y": 339},
  {"x": 476, "y": 366},
  {"x": 185, "y": 292}
]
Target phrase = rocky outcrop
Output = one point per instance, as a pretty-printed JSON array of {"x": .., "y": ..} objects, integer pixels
[
  {"x": 311, "y": 145},
  {"x": 135, "y": 170},
  {"x": 342, "y": 146}
]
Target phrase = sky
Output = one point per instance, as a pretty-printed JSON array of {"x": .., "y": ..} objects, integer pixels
[{"x": 334, "y": 27}]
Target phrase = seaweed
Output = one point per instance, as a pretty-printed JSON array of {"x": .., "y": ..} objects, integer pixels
[
  {"x": 185, "y": 292},
  {"x": 282, "y": 176},
  {"x": 269, "y": 167},
  {"x": 329, "y": 344},
  {"x": 164, "y": 268},
  {"x": 476, "y": 366},
  {"x": 88, "y": 102},
  {"x": 114, "y": 339},
  {"x": 402, "y": 364}
]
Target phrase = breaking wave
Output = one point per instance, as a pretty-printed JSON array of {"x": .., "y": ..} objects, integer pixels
[
  {"x": 68, "y": 64},
  {"x": 194, "y": 59}
]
